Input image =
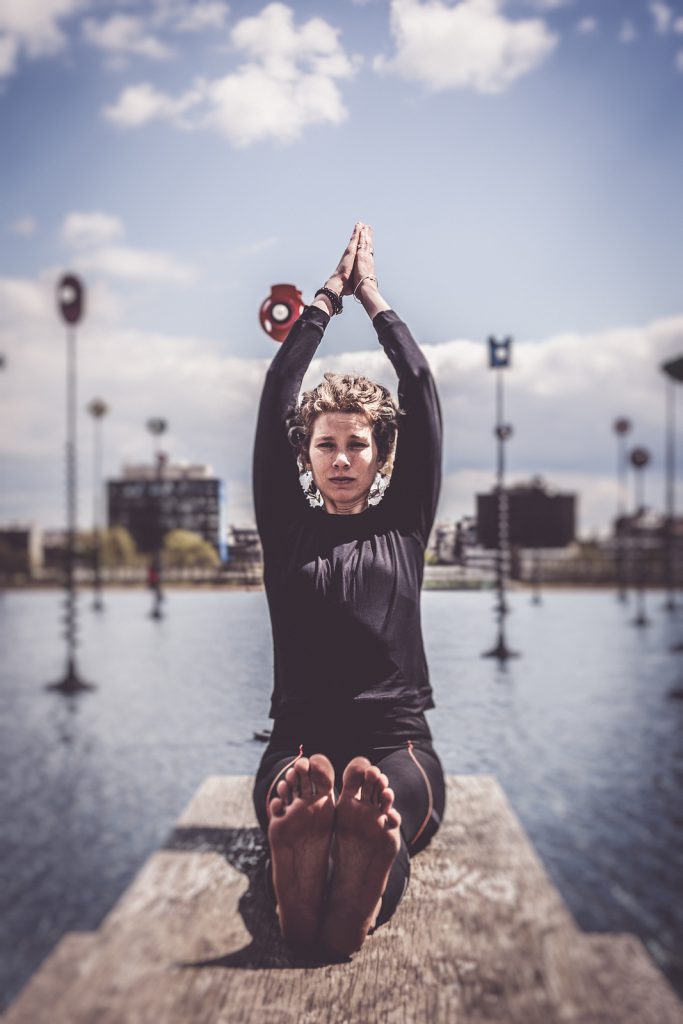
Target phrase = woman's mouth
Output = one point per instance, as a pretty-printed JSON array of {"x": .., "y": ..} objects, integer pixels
[{"x": 341, "y": 479}]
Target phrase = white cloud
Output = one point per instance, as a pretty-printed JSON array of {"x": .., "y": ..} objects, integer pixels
[
  {"x": 471, "y": 45},
  {"x": 9, "y": 49},
  {"x": 287, "y": 82},
  {"x": 678, "y": 26},
  {"x": 549, "y": 5},
  {"x": 662, "y": 15},
  {"x": 253, "y": 104},
  {"x": 627, "y": 32},
  {"x": 139, "y": 104},
  {"x": 200, "y": 16},
  {"x": 257, "y": 247},
  {"x": 33, "y": 27},
  {"x": 94, "y": 228},
  {"x": 587, "y": 26},
  {"x": 124, "y": 34},
  {"x": 93, "y": 234},
  {"x": 24, "y": 226},
  {"x": 137, "y": 264}
]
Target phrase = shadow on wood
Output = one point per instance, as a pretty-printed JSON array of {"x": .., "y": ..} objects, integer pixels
[{"x": 245, "y": 850}]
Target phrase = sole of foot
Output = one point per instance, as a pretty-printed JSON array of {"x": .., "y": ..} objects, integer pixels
[
  {"x": 299, "y": 836},
  {"x": 367, "y": 840}
]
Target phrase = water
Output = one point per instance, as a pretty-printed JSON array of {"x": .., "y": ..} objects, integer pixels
[{"x": 581, "y": 733}]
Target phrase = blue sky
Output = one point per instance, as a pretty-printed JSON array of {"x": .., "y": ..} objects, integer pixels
[{"x": 520, "y": 163}]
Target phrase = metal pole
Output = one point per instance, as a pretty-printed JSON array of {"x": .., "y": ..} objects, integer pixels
[
  {"x": 157, "y": 610},
  {"x": 157, "y": 426},
  {"x": 669, "y": 571},
  {"x": 622, "y": 592},
  {"x": 639, "y": 460},
  {"x": 536, "y": 575},
  {"x": 71, "y": 484},
  {"x": 71, "y": 682},
  {"x": 70, "y": 299},
  {"x": 503, "y": 432},
  {"x": 97, "y": 409},
  {"x": 621, "y": 427},
  {"x": 98, "y": 604}
]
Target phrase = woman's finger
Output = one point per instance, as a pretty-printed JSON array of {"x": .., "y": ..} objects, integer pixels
[
  {"x": 365, "y": 251},
  {"x": 345, "y": 266}
]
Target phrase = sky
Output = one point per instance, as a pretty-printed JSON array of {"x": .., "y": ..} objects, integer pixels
[{"x": 520, "y": 162}]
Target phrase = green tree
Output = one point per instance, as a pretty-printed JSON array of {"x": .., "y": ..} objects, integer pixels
[
  {"x": 118, "y": 548},
  {"x": 184, "y": 549}
]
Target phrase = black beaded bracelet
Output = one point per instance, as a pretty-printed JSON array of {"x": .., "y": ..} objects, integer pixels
[{"x": 335, "y": 299}]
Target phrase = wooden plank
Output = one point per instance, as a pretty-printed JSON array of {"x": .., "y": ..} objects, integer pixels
[
  {"x": 481, "y": 937},
  {"x": 609, "y": 978},
  {"x": 57, "y": 973}
]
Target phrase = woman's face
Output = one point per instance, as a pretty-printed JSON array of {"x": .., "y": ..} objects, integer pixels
[{"x": 343, "y": 459}]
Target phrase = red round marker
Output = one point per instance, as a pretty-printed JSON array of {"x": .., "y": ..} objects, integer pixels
[{"x": 280, "y": 310}]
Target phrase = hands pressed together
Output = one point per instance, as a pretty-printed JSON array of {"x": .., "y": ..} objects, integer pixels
[{"x": 355, "y": 274}]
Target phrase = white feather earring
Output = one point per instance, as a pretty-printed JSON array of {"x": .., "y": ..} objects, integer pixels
[
  {"x": 311, "y": 492},
  {"x": 379, "y": 486}
]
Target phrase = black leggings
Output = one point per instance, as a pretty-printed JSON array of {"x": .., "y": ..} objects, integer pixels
[{"x": 398, "y": 742}]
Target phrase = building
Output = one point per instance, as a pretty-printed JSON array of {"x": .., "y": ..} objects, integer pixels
[
  {"x": 245, "y": 545},
  {"x": 21, "y": 550},
  {"x": 150, "y": 501},
  {"x": 536, "y": 518}
]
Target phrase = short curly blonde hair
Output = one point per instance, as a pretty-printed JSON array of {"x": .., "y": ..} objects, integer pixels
[{"x": 343, "y": 392}]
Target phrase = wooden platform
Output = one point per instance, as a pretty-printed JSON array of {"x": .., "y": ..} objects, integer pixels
[{"x": 482, "y": 936}]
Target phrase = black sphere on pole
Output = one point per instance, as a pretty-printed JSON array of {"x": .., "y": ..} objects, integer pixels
[{"x": 71, "y": 303}]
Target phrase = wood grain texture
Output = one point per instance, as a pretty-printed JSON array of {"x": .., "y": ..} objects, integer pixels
[{"x": 481, "y": 937}]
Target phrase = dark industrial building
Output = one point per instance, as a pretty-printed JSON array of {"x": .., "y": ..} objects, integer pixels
[
  {"x": 535, "y": 517},
  {"x": 150, "y": 501}
]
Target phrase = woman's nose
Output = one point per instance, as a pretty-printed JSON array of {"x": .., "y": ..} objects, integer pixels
[{"x": 341, "y": 459}]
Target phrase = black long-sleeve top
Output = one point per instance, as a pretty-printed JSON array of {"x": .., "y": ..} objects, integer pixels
[{"x": 344, "y": 590}]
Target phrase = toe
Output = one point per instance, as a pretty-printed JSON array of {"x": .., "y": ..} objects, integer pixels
[
  {"x": 369, "y": 786},
  {"x": 283, "y": 791},
  {"x": 354, "y": 774},
  {"x": 382, "y": 783},
  {"x": 303, "y": 774},
  {"x": 292, "y": 780},
  {"x": 277, "y": 808},
  {"x": 386, "y": 800},
  {"x": 392, "y": 819},
  {"x": 322, "y": 774}
]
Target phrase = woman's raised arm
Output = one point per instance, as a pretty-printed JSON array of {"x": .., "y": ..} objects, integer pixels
[
  {"x": 277, "y": 493},
  {"x": 416, "y": 478}
]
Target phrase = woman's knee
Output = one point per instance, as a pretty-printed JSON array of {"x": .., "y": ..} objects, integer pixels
[{"x": 416, "y": 777}]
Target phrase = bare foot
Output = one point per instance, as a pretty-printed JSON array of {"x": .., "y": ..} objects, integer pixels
[
  {"x": 367, "y": 839},
  {"x": 299, "y": 834}
]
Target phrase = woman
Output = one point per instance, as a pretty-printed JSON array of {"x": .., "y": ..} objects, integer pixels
[{"x": 343, "y": 572}]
